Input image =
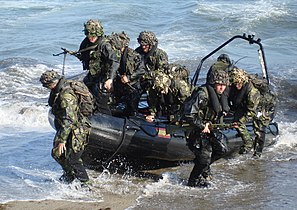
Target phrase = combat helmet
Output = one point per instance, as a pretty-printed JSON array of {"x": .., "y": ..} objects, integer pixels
[
  {"x": 219, "y": 77},
  {"x": 162, "y": 82},
  {"x": 224, "y": 57},
  {"x": 119, "y": 40},
  {"x": 238, "y": 76},
  {"x": 93, "y": 28},
  {"x": 147, "y": 38},
  {"x": 49, "y": 77}
]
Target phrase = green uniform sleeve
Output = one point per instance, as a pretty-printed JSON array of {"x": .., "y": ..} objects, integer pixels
[
  {"x": 68, "y": 116},
  {"x": 253, "y": 99}
]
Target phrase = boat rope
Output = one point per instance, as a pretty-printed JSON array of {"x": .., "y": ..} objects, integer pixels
[{"x": 120, "y": 144}]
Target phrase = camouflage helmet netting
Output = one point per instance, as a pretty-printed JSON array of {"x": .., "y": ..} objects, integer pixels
[
  {"x": 49, "y": 77},
  {"x": 162, "y": 81},
  {"x": 93, "y": 28},
  {"x": 219, "y": 77},
  {"x": 238, "y": 75},
  {"x": 147, "y": 38},
  {"x": 119, "y": 40}
]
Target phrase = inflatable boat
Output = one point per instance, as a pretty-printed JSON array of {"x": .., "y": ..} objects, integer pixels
[{"x": 134, "y": 137}]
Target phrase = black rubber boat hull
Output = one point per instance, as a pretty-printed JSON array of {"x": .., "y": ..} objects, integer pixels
[{"x": 137, "y": 138}]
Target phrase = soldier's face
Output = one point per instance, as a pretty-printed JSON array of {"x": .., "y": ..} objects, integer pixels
[
  {"x": 51, "y": 86},
  {"x": 220, "y": 88},
  {"x": 92, "y": 39},
  {"x": 145, "y": 48},
  {"x": 238, "y": 86}
]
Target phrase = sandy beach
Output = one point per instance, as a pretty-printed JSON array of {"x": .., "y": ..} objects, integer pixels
[{"x": 111, "y": 202}]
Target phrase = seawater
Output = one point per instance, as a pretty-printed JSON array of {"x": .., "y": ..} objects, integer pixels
[{"x": 31, "y": 31}]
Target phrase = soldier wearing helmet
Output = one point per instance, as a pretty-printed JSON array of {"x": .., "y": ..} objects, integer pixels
[
  {"x": 153, "y": 58},
  {"x": 246, "y": 100},
  {"x": 223, "y": 63},
  {"x": 99, "y": 58},
  {"x": 127, "y": 89},
  {"x": 207, "y": 108},
  {"x": 171, "y": 88},
  {"x": 67, "y": 147}
]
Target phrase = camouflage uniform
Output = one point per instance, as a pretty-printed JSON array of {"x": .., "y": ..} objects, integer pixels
[
  {"x": 131, "y": 66},
  {"x": 248, "y": 105},
  {"x": 72, "y": 127},
  {"x": 99, "y": 58},
  {"x": 207, "y": 147},
  {"x": 155, "y": 59},
  {"x": 170, "y": 89}
]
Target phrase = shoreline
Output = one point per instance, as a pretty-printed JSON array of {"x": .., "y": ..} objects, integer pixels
[{"x": 110, "y": 202}]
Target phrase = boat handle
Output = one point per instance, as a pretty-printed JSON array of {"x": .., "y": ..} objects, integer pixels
[{"x": 129, "y": 127}]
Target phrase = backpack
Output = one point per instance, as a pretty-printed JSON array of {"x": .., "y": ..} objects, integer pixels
[
  {"x": 179, "y": 72},
  {"x": 118, "y": 40},
  {"x": 186, "y": 110},
  {"x": 268, "y": 99},
  {"x": 85, "y": 98},
  {"x": 259, "y": 83}
]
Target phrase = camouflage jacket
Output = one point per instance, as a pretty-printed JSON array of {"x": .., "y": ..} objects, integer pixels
[
  {"x": 68, "y": 120},
  {"x": 155, "y": 59},
  {"x": 131, "y": 65},
  {"x": 169, "y": 103},
  {"x": 246, "y": 101},
  {"x": 103, "y": 61}
]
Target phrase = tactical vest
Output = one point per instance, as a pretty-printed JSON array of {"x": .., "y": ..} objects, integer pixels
[
  {"x": 94, "y": 60},
  {"x": 205, "y": 110}
]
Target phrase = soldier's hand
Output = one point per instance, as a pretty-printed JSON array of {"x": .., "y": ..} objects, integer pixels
[
  {"x": 150, "y": 118},
  {"x": 108, "y": 84},
  {"x": 124, "y": 79},
  {"x": 61, "y": 148},
  {"x": 234, "y": 125},
  {"x": 206, "y": 128}
]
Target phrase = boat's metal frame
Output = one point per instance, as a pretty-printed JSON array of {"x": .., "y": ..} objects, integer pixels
[{"x": 250, "y": 39}]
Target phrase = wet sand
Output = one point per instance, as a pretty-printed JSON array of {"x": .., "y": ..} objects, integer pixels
[{"x": 111, "y": 202}]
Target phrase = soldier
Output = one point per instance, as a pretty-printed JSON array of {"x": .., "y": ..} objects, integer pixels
[
  {"x": 171, "y": 88},
  {"x": 249, "y": 105},
  {"x": 127, "y": 87},
  {"x": 100, "y": 59},
  {"x": 153, "y": 58},
  {"x": 206, "y": 143},
  {"x": 72, "y": 127},
  {"x": 223, "y": 63}
]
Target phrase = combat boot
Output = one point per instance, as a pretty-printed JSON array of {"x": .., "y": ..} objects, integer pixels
[
  {"x": 202, "y": 182},
  {"x": 257, "y": 154},
  {"x": 207, "y": 175},
  {"x": 199, "y": 182},
  {"x": 67, "y": 177},
  {"x": 246, "y": 147},
  {"x": 259, "y": 144}
]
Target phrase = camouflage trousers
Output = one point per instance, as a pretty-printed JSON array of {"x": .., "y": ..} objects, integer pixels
[
  {"x": 259, "y": 124},
  {"x": 70, "y": 160}
]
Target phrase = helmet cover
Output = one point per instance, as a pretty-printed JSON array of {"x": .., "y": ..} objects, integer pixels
[
  {"x": 49, "y": 77},
  {"x": 147, "y": 38},
  {"x": 93, "y": 28}
]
